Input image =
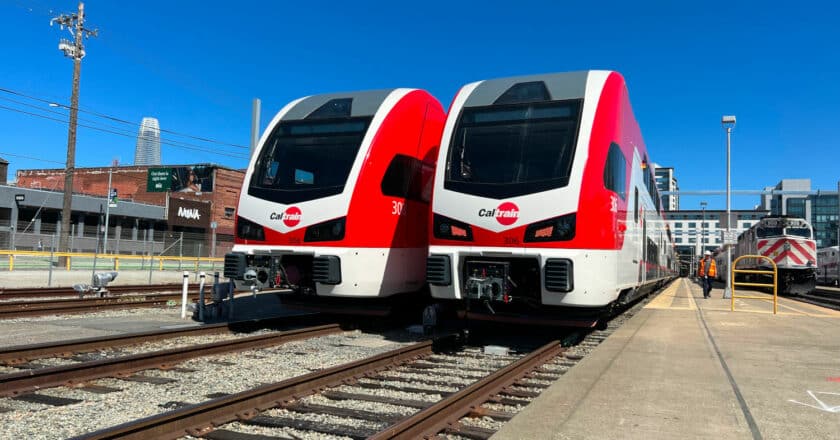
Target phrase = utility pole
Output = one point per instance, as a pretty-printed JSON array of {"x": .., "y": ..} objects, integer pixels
[{"x": 75, "y": 50}]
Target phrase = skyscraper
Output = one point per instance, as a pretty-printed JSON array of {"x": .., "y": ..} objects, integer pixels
[{"x": 147, "y": 151}]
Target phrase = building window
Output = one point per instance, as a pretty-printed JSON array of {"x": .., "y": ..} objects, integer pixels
[
  {"x": 692, "y": 225},
  {"x": 796, "y": 207},
  {"x": 678, "y": 225},
  {"x": 229, "y": 212}
]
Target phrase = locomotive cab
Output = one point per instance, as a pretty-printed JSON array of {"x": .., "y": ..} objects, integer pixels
[{"x": 336, "y": 199}]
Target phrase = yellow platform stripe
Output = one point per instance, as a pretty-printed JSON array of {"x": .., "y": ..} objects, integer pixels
[{"x": 665, "y": 300}]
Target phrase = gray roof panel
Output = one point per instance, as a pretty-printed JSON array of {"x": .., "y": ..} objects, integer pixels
[
  {"x": 569, "y": 85},
  {"x": 364, "y": 103}
]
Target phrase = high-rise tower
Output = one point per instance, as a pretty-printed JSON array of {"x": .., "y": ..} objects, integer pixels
[{"x": 147, "y": 151}]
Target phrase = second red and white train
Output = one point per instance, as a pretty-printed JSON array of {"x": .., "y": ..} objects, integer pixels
[{"x": 545, "y": 204}]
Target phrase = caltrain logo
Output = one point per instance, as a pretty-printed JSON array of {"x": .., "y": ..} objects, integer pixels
[
  {"x": 291, "y": 217},
  {"x": 506, "y": 214}
]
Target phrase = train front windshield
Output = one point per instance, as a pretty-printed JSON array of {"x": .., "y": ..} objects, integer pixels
[
  {"x": 505, "y": 151},
  {"x": 306, "y": 160}
]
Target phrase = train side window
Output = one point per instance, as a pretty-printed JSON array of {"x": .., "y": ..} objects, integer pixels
[
  {"x": 615, "y": 171},
  {"x": 404, "y": 178},
  {"x": 636, "y": 206}
]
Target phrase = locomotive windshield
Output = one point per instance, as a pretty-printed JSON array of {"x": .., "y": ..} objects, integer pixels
[
  {"x": 799, "y": 232},
  {"x": 306, "y": 160},
  {"x": 505, "y": 151}
]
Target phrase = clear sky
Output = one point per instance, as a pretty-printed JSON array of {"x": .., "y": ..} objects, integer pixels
[{"x": 196, "y": 65}]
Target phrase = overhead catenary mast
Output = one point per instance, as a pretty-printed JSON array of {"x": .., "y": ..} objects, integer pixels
[{"x": 75, "y": 50}]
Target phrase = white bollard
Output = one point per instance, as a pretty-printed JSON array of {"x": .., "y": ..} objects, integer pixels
[{"x": 184, "y": 295}]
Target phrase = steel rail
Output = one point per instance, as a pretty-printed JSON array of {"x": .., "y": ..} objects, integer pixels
[
  {"x": 16, "y": 383},
  {"x": 199, "y": 419},
  {"x": 24, "y": 353},
  {"x": 47, "y": 292},
  {"x": 447, "y": 412},
  {"x": 17, "y": 309}
]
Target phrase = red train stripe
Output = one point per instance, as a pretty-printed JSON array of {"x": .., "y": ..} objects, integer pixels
[
  {"x": 772, "y": 248},
  {"x": 802, "y": 251},
  {"x": 762, "y": 243}
]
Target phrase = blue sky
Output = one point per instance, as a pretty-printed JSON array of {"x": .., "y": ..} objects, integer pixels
[{"x": 196, "y": 65}]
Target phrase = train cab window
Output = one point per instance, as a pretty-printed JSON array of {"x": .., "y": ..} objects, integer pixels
[
  {"x": 763, "y": 232},
  {"x": 405, "y": 178},
  {"x": 306, "y": 160},
  {"x": 502, "y": 151},
  {"x": 798, "y": 232},
  {"x": 615, "y": 171}
]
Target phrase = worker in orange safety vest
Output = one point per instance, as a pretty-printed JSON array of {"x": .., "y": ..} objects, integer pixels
[{"x": 707, "y": 275}]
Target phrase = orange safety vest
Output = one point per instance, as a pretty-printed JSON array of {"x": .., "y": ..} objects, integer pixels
[{"x": 712, "y": 268}]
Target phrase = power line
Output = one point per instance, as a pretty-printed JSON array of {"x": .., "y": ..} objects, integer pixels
[
  {"x": 116, "y": 119},
  {"x": 30, "y": 157},
  {"x": 131, "y": 136},
  {"x": 111, "y": 127}
]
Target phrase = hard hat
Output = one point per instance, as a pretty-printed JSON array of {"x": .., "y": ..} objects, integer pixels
[{"x": 708, "y": 253}]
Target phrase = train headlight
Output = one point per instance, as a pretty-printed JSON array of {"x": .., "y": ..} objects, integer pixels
[
  {"x": 249, "y": 230},
  {"x": 555, "y": 229},
  {"x": 449, "y": 229},
  {"x": 332, "y": 230}
]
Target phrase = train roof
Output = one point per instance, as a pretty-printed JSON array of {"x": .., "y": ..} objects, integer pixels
[
  {"x": 529, "y": 88},
  {"x": 337, "y": 105}
]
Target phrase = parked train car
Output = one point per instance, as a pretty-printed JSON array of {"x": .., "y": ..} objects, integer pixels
[
  {"x": 789, "y": 242},
  {"x": 828, "y": 271},
  {"x": 336, "y": 199},
  {"x": 545, "y": 205}
]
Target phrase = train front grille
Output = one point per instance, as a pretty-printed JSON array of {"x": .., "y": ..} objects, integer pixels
[{"x": 559, "y": 276}]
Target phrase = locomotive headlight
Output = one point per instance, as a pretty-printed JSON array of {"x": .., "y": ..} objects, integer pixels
[
  {"x": 554, "y": 229},
  {"x": 332, "y": 230},
  {"x": 449, "y": 229}
]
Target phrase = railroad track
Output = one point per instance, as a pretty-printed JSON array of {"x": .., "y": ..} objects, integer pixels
[
  {"x": 77, "y": 374},
  {"x": 53, "y": 292},
  {"x": 821, "y": 297},
  {"x": 21, "y": 309},
  {"x": 23, "y": 354},
  {"x": 450, "y": 391}
]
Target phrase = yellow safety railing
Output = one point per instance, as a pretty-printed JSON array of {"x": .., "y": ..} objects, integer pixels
[
  {"x": 114, "y": 258},
  {"x": 773, "y": 272}
]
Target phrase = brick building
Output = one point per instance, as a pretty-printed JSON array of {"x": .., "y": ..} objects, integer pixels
[{"x": 212, "y": 188}]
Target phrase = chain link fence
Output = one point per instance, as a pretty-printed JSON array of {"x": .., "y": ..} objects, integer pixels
[{"x": 120, "y": 240}]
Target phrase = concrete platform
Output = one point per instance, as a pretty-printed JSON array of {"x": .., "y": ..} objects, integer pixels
[{"x": 688, "y": 367}]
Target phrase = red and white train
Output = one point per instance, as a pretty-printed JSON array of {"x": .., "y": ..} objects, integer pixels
[
  {"x": 335, "y": 200},
  {"x": 789, "y": 242},
  {"x": 545, "y": 208}
]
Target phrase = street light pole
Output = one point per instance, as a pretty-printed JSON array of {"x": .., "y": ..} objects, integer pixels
[
  {"x": 703, "y": 228},
  {"x": 728, "y": 122},
  {"x": 107, "y": 213}
]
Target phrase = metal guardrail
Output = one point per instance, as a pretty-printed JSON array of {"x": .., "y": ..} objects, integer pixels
[
  {"x": 145, "y": 262},
  {"x": 774, "y": 272}
]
